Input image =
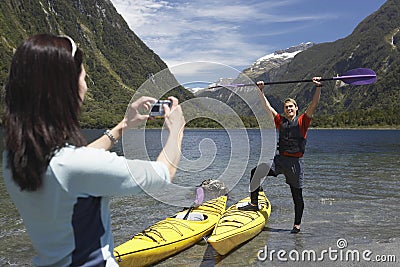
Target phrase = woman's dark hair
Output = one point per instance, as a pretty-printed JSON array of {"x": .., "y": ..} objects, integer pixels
[{"x": 42, "y": 106}]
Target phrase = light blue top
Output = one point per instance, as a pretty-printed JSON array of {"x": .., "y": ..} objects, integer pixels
[{"x": 68, "y": 218}]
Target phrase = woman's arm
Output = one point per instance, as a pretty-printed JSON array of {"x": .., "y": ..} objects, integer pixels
[
  {"x": 171, "y": 153},
  {"x": 134, "y": 117},
  {"x": 105, "y": 141}
]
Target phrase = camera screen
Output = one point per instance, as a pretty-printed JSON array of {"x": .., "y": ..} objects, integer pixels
[{"x": 155, "y": 108}]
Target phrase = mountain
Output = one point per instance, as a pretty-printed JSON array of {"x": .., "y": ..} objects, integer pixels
[
  {"x": 265, "y": 68},
  {"x": 118, "y": 63},
  {"x": 374, "y": 44},
  {"x": 116, "y": 60}
]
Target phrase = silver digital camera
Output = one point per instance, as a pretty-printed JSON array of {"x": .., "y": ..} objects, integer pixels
[{"x": 157, "y": 109}]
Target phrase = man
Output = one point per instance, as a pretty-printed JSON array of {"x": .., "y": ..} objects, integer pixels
[{"x": 291, "y": 146}]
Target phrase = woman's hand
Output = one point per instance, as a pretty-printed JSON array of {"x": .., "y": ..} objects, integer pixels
[
  {"x": 132, "y": 119},
  {"x": 174, "y": 118},
  {"x": 133, "y": 116}
]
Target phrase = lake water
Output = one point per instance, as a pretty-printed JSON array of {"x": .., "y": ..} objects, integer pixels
[{"x": 352, "y": 205}]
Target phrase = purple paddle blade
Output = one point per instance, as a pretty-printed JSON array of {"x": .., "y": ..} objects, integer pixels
[
  {"x": 199, "y": 196},
  {"x": 358, "y": 76}
]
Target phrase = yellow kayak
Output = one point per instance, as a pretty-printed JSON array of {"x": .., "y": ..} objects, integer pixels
[
  {"x": 237, "y": 226},
  {"x": 171, "y": 235}
]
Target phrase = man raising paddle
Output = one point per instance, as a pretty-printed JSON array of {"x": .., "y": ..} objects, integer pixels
[{"x": 291, "y": 146}]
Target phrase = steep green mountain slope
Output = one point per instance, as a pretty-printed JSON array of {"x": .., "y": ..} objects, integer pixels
[
  {"x": 375, "y": 44},
  {"x": 117, "y": 61}
]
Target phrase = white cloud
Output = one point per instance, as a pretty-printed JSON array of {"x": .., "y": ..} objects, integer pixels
[
  {"x": 138, "y": 12},
  {"x": 235, "y": 32},
  {"x": 193, "y": 31}
]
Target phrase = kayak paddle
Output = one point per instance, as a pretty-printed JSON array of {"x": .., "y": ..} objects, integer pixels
[
  {"x": 198, "y": 201},
  {"x": 360, "y": 76}
]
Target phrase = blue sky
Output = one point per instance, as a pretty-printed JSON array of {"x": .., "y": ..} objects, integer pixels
[{"x": 238, "y": 32}]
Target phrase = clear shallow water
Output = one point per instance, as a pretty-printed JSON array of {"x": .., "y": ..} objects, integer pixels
[{"x": 351, "y": 192}]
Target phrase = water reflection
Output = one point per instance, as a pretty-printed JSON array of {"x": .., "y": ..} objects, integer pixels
[{"x": 351, "y": 191}]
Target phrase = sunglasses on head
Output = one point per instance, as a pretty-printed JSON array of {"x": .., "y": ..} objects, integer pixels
[{"x": 74, "y": 48}]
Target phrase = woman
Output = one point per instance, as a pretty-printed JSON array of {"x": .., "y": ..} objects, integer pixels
[{"x": 60, "y": 186}]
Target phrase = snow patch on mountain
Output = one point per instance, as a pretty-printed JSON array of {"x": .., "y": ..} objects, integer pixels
[
  {"x": 276, "y": 59},
  {"x": 261, "y": 66}
]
